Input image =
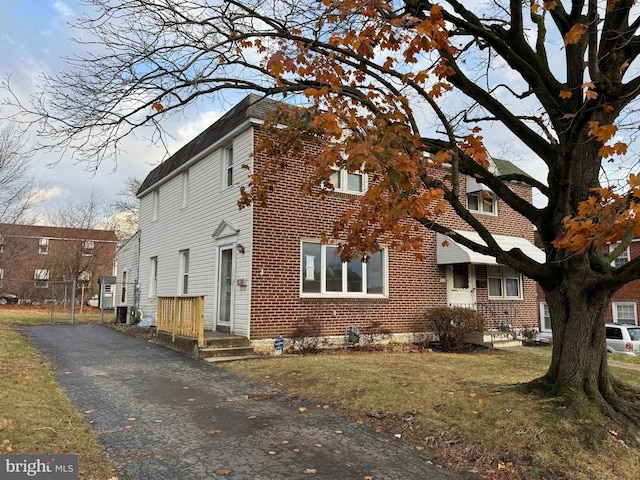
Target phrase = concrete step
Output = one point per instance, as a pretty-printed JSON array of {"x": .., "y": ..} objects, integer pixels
[
  {"x": 209, "y": 352},
  {"x": 226, "y": 342},
  {"x": 231, "y": 358}
]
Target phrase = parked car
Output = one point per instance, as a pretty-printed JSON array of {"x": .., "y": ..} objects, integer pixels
[
  {"x": 623, "y": 339},
  {"x": 6, "y": 298},
  {"x": 93, "y": 301}
]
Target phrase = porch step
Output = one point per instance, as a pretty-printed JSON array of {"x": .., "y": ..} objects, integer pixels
[
  {"x": 224, "y": 340},
  {"x": 210, "y": 352},
  {"x": 231, "y": 358}
]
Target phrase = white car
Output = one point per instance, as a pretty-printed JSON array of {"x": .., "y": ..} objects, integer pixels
[{"x": 623, "y": 339}]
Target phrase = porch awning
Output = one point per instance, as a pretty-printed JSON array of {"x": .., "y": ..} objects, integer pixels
[{"x": 456, "y": 253}]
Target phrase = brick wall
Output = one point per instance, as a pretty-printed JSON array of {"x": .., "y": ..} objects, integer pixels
[{"x": 414, "y": 285}]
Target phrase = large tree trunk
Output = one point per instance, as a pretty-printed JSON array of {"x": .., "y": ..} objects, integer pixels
[{"x": 579, "y": 371}]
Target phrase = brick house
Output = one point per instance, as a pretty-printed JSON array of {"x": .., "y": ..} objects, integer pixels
[
  {"x": 623, "y": 306},
  {"x": 263, "y": 270},
  {"x": 38, "y": 263}
]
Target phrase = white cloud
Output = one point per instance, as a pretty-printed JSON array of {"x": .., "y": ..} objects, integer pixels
[
  {"x": 63, "y": 9},
  {"x": 44, "y": 194}
]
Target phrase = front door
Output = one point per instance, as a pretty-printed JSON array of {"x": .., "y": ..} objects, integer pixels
[
  {"x": 225, "y": 289},
  {"x": 461, "y": 285}
]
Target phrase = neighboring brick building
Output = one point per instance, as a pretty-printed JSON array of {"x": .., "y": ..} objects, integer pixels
[
  {"x": 38, "y": 263},
  {"x": 263, "y": 270},
  {"x": 624, "y": 304}
]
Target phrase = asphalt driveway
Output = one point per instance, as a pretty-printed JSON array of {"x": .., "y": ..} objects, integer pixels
[{"x": 163, "y": 416}]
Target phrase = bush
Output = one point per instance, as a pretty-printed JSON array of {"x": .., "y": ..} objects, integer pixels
[
  {"x": 306, "y": 336},
  {"x": 453, "y": 325}
]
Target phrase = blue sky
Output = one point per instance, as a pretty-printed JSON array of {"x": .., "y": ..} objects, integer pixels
[{"x": 34, "y": 36}]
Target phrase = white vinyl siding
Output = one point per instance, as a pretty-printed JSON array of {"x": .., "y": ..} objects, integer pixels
[{"x": 176, "y": 231}]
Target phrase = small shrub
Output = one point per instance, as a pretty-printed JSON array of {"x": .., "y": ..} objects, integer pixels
[
  {"x": 453, "y": 325},
  {"x": 375, "y": 332},
  {"x": 306, "y": 336}
]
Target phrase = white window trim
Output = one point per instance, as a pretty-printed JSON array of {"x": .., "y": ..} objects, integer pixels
[
  {"x": 323, "y": 271},
  {"x": 185, "y": 188},
  {"x": 41, "y": 277},
  {"x": 153, "y": 277},
  {"x": 626, "y": 254},
  {"x": 544, "y": 308},
  {"x": 227, "y": 166},
  {"x": 344, "y": 177},
  {"x": 614, "y": 311},
  {"x": 504, "y": 286},
  {"x": 43, "y": 246},
  {"x": 184, "y": 273},
  {"x": 155, "y": 205},
  {"x": 480, "y": 194},
  {"x": 88, "y": 248}
]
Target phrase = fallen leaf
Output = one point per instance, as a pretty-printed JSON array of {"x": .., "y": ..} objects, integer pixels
[
  {"x": 284, "y": 442},
  {"x": 326, "y": 407},
  {"x": 128, "y": 427},
  {"x": 302, "y": 409},
  {"x": 310, "y": 470},
  {"x": 318, "y": 444},
  {"x": 191, "y": 400},
  {"x": 368, "y": 477},
  {"x": 296, "y": 450},
  {"x": 131, "y": 419},
  {"x": 482, "y": 400},
  {"x": 214, "y": 431},
  {"x": 223, "y": 471},
  {"x": 338, "y": 432},
  {"x": 472, "y": 395},
  {"x": 89, "y": 411},
  {"x": 272, "y": 452},
  {"x": 252, "y": 417}
]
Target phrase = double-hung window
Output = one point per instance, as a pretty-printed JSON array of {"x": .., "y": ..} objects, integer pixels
[
  {"x": 185, "y": 189},
  {"x": 43, "y": 246},
  {"x": 184, "y": 272},
  {"x": 41, "y": 277},
  {"x": 625, "y": 313},
  {"x": 227, "y": 167},
  {"x": 324, "y": 274},
  {"x": 153, "y": 277},
  {"x": 155, "y": 205},
  {"x": 504, "y": 282},
  {"x": 621, "y": 259},
  {"x": 88, "y": 247}
]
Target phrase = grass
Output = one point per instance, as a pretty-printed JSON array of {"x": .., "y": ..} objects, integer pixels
[
  {"x": 35, "y": 415},
  {"x": 462, "y": 410}
]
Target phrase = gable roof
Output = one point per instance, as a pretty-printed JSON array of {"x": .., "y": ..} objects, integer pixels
[
  {"x": 252, "y": 106},
  {"x": 507, "y": 168}
]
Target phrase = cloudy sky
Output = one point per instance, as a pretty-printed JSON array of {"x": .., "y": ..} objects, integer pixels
[{"x": 34, "y": 36}]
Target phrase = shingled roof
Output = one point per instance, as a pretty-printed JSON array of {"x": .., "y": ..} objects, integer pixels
[{"x": 252, "y": 106}]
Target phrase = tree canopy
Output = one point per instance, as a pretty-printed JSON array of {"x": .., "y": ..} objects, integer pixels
[{"x": 394, "y": 88}]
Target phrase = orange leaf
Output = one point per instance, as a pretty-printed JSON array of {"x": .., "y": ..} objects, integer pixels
[
  {"x": 591, "y": 95},
  {"x": 223, "y": 471},
  {"x": 535, "y": 7},
  {"x": 564, "y": 94},
  {"x": 575, "y": 33},
  {"x": 157, "y": 106},
  {"x": 550, "y": 5}
]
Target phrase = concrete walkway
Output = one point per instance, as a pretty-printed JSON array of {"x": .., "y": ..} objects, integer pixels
[{"x": 163, "y": 416}]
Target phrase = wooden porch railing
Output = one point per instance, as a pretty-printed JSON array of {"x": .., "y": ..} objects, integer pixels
[{"x": 182, "y": 315}]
